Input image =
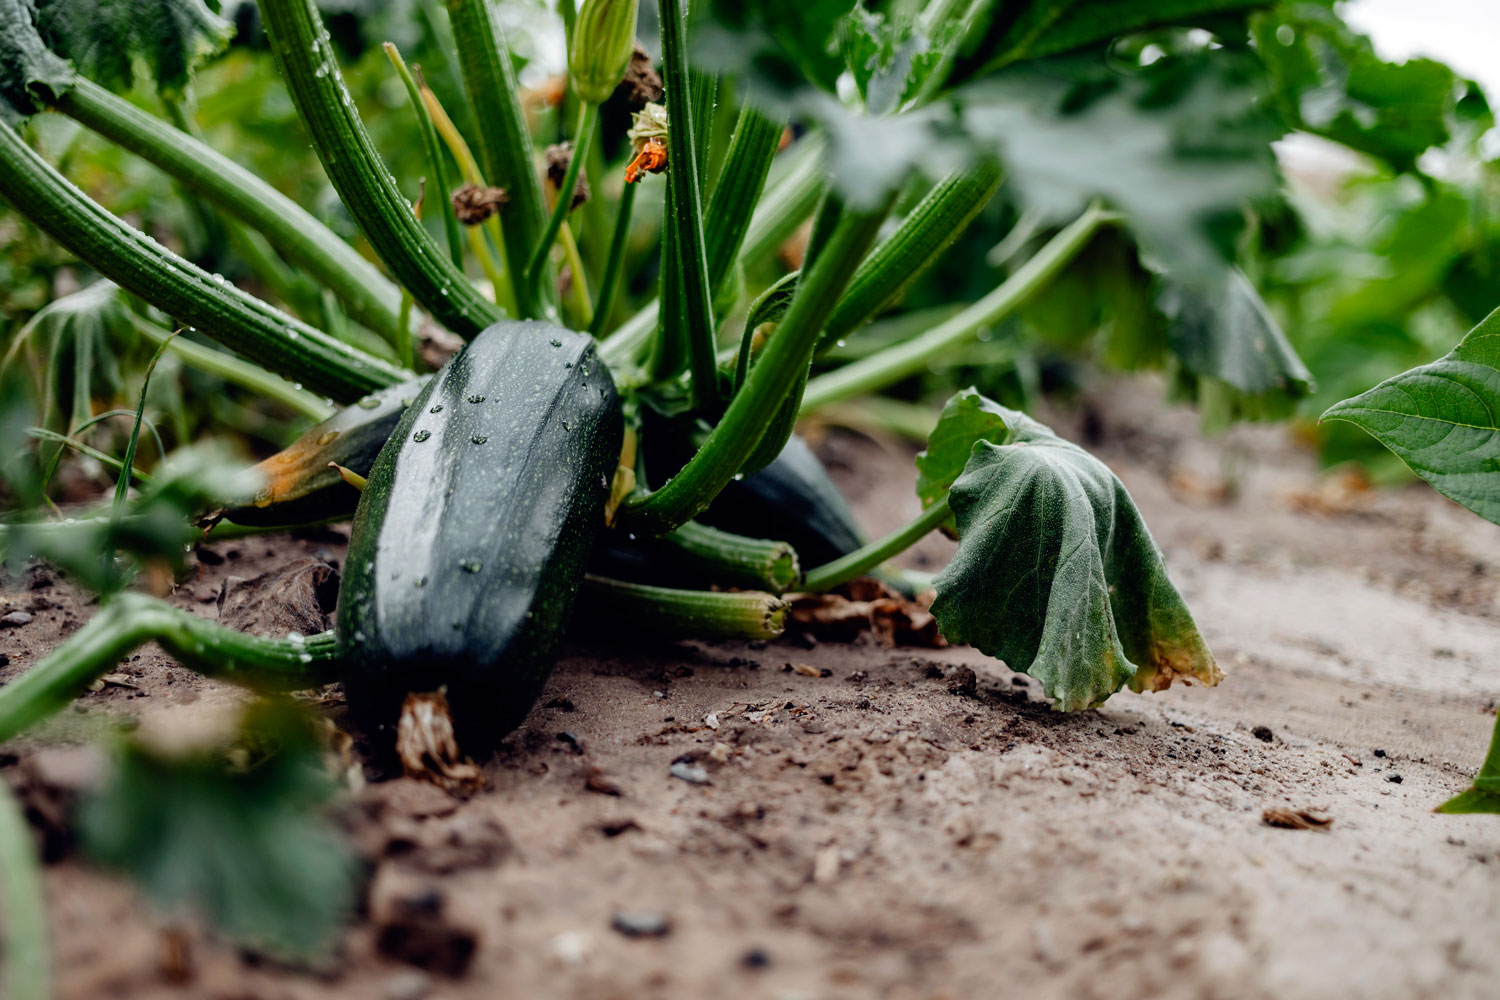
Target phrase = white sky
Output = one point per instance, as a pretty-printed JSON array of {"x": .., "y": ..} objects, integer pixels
[{"x": 1465, "y": 34}]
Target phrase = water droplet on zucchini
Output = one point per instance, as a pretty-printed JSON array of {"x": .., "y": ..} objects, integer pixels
[
  {"x": 473, "y": 566},
  {"x": 421, "y": 436},
  {"x": 477, "y": 439},
  {"x": 436, "y": 409},
  {"x": 476, "y": 398}
]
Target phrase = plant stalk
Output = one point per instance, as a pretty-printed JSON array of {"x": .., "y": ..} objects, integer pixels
[
  {"x": 896, "y": 363},
  {"x": 685, "y": 614},
  {"x": 309, "y": 66},
  {"x": 779, "y": 369},
  {"x": 867, "y": 557},
  {"x": 434, "y": 155},
  {"x": 536, "y": 269},
  {"x": 128, "y": 620},
  {"x": 615, "y": 264},
  {"x": 143, "y": 267},
  {"x": 23, "y": 905}
]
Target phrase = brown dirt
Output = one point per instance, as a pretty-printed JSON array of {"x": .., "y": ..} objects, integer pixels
[{"x": 871, "y": 833}]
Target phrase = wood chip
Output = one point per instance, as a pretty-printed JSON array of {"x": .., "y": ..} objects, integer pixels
[{"x": 1295, "y": 819}]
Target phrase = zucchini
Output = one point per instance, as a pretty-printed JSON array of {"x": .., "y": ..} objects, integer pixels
[
  {"x": 299, "y": 485},
  {"x": 471, "y": 538}
]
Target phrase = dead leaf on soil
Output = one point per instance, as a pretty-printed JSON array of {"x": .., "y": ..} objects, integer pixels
[
  {"x": 1295, "y": 819},
  {"x": 866, "y": 605},
  {"x": 427, "y": 748},
  {"x": 297, "y": 598}
]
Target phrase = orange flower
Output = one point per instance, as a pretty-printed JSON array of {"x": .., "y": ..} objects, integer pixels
[{"x": 651, "y": 157}]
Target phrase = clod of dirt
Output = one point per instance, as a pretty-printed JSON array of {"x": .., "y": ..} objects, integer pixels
[
  {"x": 964, "y": 682},
  {"x": 755, "y": 958},
  {"x": 595, "y": 781},
  {"x": 297, "y": 599},
  {"x": 411, "y": 928},
  {"x": 426, "y": 745},
  {"x": 572, "y": 741},
  {"x": 640, "y": 923},
  {"x": 1263, "y": 733},
  {"x": 15, "y": 619},
  {"x": 462, "y": 842},
  {"x": 1394, "y": 779},
  {"x": 1295, "y": 819}
]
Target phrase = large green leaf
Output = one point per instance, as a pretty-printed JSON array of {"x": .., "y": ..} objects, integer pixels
[
  {"x": 248, "y": 846},
  {"x": 26, "y": 65},
  {"x": 1443, "y": 419},
  {"x": 104, "y": 40},
  {"x": 1029, "y": 30},
  {"x": 1179, "y": 148},
  {"x": 1232, "y": 351},
  {"x": 1055, "y": 571}
]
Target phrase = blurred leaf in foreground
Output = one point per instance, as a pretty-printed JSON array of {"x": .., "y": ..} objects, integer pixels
[
  {"x": 238, "y": 836},
  {"x": 1055, "y": 571},
  {"x": 104, "y": 40}
]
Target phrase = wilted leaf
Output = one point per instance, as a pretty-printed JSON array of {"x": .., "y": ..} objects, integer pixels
[
  {"x": 1443, "y": 419},
  {"x": 967, "y": 419},
  {"x": 244, "y": 844},
  {"x": 1230, "y": 339},
  {"x": 1057, "y": 575},
  {"x": 26, "y": 66},
  {"x": 173, "y": 37}
]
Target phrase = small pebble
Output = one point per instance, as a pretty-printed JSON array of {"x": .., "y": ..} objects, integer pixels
[
  {"x": 15, "y": 618},
  {"x": 755, "y": 958},
  {"x": 691, "y": 773},
  {"x": 640, "y": 923},
  {"x": 1380, "y": 753},
  {"x": 410, "y": 985},
  {"x": 1263, "y": 733},
  {"x": 1394, "y": 779}
]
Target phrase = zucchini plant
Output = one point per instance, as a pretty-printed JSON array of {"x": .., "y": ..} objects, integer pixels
[{"x": 619, "y": 426}]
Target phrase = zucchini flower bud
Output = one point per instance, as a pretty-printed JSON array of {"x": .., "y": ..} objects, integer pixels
[{"x": 603, "y": 42}]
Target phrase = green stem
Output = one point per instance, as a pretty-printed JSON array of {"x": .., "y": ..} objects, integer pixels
[
  {"x": 434, "y": 155},
  {"x": 615, "y": 264},
  {"x": 789, "y": 199},
  {"x": 404, "y": 349},
  {"x": 751, "y": 150},
  {"x": 780, "y": 368},
  {"x": 122, "y": 483},
  {"x": 896, "y": 363},
  {"x": 536, "y": 270},
  {"x": 232, "y": 369},
  {"x": 305, "y": 241},
  {"x": 682, "y": 614},
  {"x": 687, "y": 312},
  {"x": 23, "y": 903},
  {"x": 150, "y": 271},
  {"x": 310, "y": 68},
  {"x": 867, "y": 557},
  {"x": 504, "y": 141},
  {"x": 701, "y": 553},
  {"x": 109, "y": 461},
  {"x": 128, "y": 620},
  {"x": 923, "y": 236}
]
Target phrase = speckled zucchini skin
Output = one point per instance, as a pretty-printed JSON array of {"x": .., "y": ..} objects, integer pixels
[{"x": 471, "y": 538}]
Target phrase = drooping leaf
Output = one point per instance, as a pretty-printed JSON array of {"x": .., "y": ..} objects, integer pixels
[
  {"x": 1443, "y": 419},
  {"x": 967, "y": 418},
  {"x": 1178, "y": 148},
  {"x": 1056, "y": 573},
  {"x": 103, "y": 40},
  {"x": 1230, "y": 347},
  {"x": 248, "y": 847},
  {"x": 27, "y": 67},
  {"x": 1032, "y": 30}
]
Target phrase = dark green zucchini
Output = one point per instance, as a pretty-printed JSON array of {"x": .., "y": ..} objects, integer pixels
[
  {"x": 300, "y": 488},
  {"x": 471, "y": 537}
]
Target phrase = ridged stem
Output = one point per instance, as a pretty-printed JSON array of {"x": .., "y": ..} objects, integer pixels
[
  {"x": 752, "y": 147},
  {"x": 305, "y": 241},
  {"x": 896, "y": 363},
  {"x": 778, "y": 371},
  {"x": 504, "y": 141},
  {"x": 310, "y": 68},
  {"x": 537, "y": 268},
  {"x": 684, "y": 614},
  {"x": 148, "y": 270},
  {"x": 615, "y": 264},
  {"x": 434, "y": 154},
  {"x": 128, "y": 620}
]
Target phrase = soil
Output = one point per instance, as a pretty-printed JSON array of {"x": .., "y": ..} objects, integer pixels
[{"x": 868, "y": 832}]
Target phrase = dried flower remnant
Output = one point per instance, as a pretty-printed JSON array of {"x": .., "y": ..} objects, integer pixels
[
  {"x": 649, "y": 138},
  {"x": 472, "y": 203},
  {"x": 642, "y": 84},
  {"x": 559, "y": 155}
]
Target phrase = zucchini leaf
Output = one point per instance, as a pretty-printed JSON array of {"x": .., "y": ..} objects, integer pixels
[
  {"x": 172, "y": 37},
  {"x": 1055, "y": 571},
  {"x": 1443, "y": 419},
  {"x": 27, "y": 67},
  {"x": 236, "y": 834},
  {"x": 1484, "y": 795},
  {"x": 1233, "y": 358}
]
